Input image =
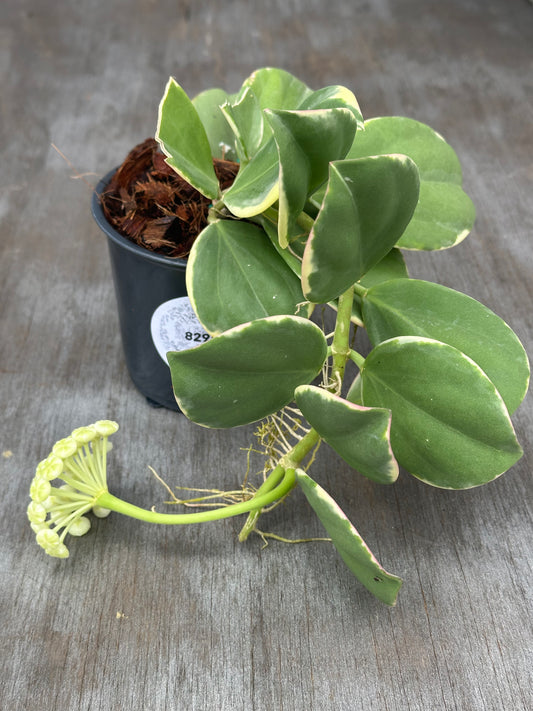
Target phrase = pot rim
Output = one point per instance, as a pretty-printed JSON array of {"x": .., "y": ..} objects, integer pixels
[{"x": 111, "y": 232}]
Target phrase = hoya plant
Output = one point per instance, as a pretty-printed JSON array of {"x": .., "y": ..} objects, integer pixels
[{"x": 318, "y": 214}]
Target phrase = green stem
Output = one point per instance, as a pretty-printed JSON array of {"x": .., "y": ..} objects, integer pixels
[
  {"x": 293, "y": 458},
  {"x": 271, "y": 214},
  {"x": 340, "y": 347},
  {"x": 357, "y": 358},
  {"x": 291, "y": 461},
  {"x": 280, "y": 483},
  {"x": 340, "y": 351},
  {"x": 305, "y": 221},
  {"x": 360, "y": 290}
]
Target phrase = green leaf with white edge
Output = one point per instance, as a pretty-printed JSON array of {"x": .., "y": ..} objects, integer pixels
[
  {"x": 349, "y": 544},
  {"x": 248, "y": 372},
  {"x": 392, "y": 266},
  {"x": 277, "y": 89},
  {"x": 411, "y": 307},
  {"x": 220, "y": 136},
  {"x": 307, "y": 142},
  {"x": 235, "y": 275},
  {"x": 256, "y": 186},
  {"x": 184, "y": 141},
  {"x": 443, "y": 218},
  {"x": 334, "y": 97},
  {"x": 366, "y": 208},
  {"x": 360, "y": 435},
  {"x": 450, "y": 427},
  {"x": 445, "y": 214},
  {"x": 435, "y": 158},
  {"x": 245, "y": 119}
]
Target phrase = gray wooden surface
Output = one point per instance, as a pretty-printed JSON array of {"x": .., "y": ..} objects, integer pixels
[{"x": 153, "y": 618}]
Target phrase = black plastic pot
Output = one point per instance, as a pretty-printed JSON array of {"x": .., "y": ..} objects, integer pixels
[{"x": 154, "y": 312}]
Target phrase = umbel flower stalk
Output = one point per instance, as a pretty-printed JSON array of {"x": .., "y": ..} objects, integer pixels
[{"x": 79, "y": 462}]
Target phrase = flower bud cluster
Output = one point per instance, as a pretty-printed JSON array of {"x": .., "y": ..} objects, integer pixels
[{"x": 79, "y": 463}]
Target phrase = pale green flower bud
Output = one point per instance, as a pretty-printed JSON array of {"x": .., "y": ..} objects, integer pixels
[
  {"x": 65, "y": 448},
  {"x": 80, "y": 526},
  {"x": 36, "y": 512},
  {"x": 59, "y": 551},
  {"x": 41, "y": 467},
  {"x": 47, "y": 538},
  {"x": 84, "y": 435},
  {"x": 101, "y": 512},
  {"x": 36, "y": 527},
  {"x": 105, "y": 428},
  {"x": 40, "y": 489},
  {"x": 52, "y": 467}
]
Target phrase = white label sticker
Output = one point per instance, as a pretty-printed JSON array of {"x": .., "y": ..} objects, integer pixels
[{"x": 175, "y": 327}]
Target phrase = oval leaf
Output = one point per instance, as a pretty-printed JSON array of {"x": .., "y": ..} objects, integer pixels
[
  {"x": 277, "y": 89},
  {"x": 445, "y": 214},
  {"x": 235, "y": 275},
  {"x": 307, "y": 142},
  {"x": 184, "y": 141},
  {"x": 351, "y": 547},
  {"x": 248, "y": 372},
  {"x": 360, "y": 435},
  {"x": 367, "y": 206},
  {"x": 409, "y": 307},
  {"x": 450, "y": 427},
  {"x": 444, "y": 217}
]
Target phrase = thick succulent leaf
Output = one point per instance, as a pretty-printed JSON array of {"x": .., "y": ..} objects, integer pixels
[
  {"x": 409, "y": 307},
  {"x": 435, "y": 158},
  {"x": 221, "y": 139},
  {"x": 351, "y": 547},
  {"x": 248, "y": 372},
  {"x": 277, "y": 89},
  {"x": 235, "y": 275},
  {"x": 367, "y": 206},
  {"x": 334, "y": 97},
  {"x": 444, "y": 217},
  {"x": 450, "y": 427},
  {"x": 184, "y": 141},
  {"x": 360, "y": 435},
  {"x": 256, "y": 186},
  {"x": 245, "y": 119},
  {"x": 307, "y": 141},
  {"x": 445, "y": 214}
]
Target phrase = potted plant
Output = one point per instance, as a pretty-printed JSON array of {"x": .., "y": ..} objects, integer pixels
[
  {"x": 151, "y": 217},
  {"x": 319, "y": 210}
]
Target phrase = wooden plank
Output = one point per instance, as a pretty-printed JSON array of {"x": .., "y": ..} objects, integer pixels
[{"x": 163, "y": 618}]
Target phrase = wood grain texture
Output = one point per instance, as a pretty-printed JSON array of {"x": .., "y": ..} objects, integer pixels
[{"x": 160, "y": 618}]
